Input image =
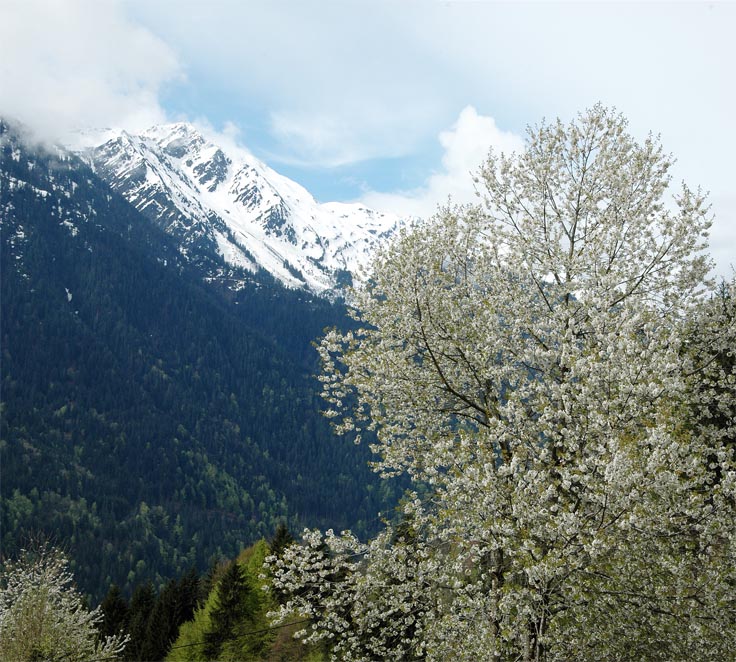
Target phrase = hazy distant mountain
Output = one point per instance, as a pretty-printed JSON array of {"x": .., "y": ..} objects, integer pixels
[{"x": 228, "y": 203}]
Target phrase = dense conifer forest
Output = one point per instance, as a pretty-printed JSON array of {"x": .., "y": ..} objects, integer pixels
[{"x": 152, "y": 422}]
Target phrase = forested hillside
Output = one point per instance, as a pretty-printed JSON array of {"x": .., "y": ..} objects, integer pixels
[{"x": 152, "y": 422}]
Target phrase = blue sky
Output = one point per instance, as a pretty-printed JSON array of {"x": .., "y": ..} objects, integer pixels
[{"x": 392, "y": 103}]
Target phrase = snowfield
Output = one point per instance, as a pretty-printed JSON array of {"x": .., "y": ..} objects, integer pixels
[{"x": 234, "y": 204}]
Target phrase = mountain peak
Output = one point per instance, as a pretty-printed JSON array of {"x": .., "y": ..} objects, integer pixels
[
  {"x": 232, "y": 204},
  {"x": 176, "y": 132}
]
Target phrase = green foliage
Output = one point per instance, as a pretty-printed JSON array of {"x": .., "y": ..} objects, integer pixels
[
  {"x": 233, "y": 622},
  {"x": 175, "y": 604},
  {"x": 234, "y": 604},
  {"x": 141, "y": 606},
  {"x": 151, "y": 621}
]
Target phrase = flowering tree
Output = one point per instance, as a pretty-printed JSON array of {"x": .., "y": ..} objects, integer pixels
[
  {"x": 710, "y": 348},
  {"x": 523, "y": 361},
  {"x": 43, "y": 617}
]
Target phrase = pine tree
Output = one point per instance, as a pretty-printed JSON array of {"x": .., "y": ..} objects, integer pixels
[
  {"x": 115, "y": 612},
  {"x": 282, "y": 538},
  {"x": 161, "y": 627},
  {"x": 141, "y": 606},
  {"x": 235, "y": 605},
  {"x": 189, "y": 595}
]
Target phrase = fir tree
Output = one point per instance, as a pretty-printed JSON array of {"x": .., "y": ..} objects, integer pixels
[
  {"x": 141, "y": 606},
  {"x": 235, "y": 605},
  {"x": 115, "y": 612},
  {"x": 282, "y": 538}
]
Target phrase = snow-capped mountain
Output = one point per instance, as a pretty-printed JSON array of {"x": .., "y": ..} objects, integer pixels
[{"x": 233, "y": 204}]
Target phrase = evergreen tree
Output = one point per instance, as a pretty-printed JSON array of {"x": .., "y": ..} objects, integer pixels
[
  {"x": 282, "y": 538},
  {"x": 162, "y": 627},
  {"x": 189, "y": 595},
  {"x": 140, "y": 405},
  {"x": 173, "y": 606},
  {"x": 115, "y": 612},
  {"x": 236, "y": 603},
  {"x": 141, "y": 606}
]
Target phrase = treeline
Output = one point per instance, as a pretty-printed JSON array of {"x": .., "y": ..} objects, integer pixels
[
  {"x": 151, "y": 619},
  {"x": 219, "y": 616}
]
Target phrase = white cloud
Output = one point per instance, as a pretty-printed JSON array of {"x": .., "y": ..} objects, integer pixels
[
  {"x": 229, "y": 138},
  {"x": 336, "y": 82},
  {"x": 327, "y": 138},
  {"x": 333, "y": 83},
  {"x": 79, "y": 63},
  {"x": 466, "y": 145}
]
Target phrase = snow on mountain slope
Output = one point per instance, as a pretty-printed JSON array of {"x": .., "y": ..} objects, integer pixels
[{"x": 235, "y": 205}]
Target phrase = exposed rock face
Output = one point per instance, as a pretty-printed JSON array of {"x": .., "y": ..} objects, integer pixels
[{"x": 234, "y": 205}]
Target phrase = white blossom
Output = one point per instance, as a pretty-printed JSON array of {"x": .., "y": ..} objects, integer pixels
[
  {"x": 526, "y": 362},
  {"x": 43, "y": 617}
]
